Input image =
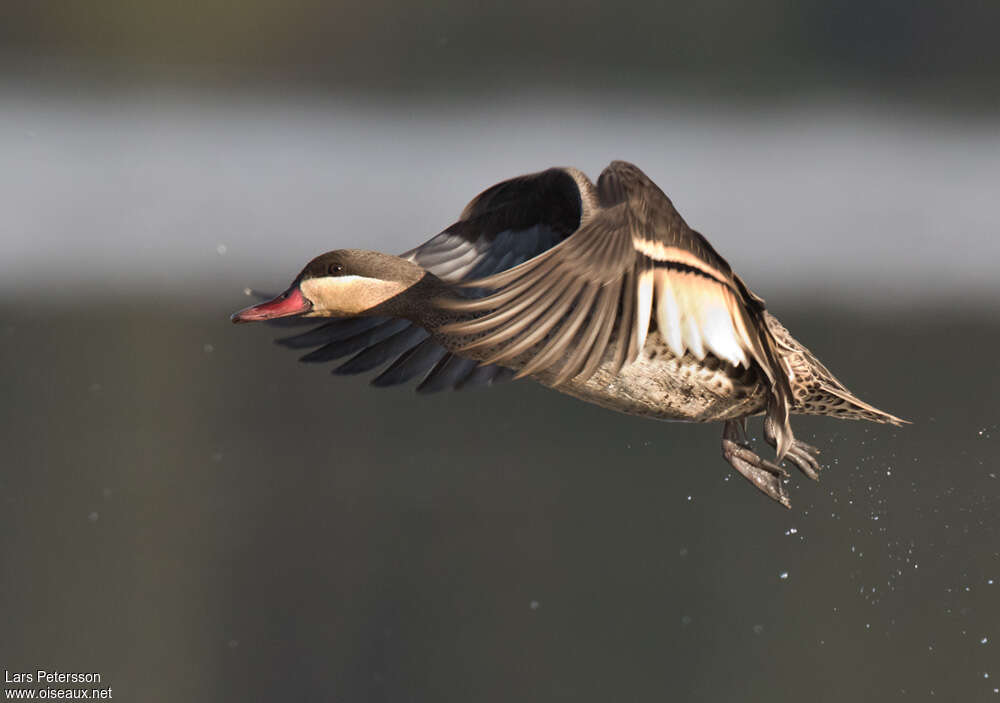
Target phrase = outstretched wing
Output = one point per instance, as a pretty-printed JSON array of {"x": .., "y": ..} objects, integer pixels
[
  {"x": 502, "y": 227},
  {"x": 633, "y": 263}
]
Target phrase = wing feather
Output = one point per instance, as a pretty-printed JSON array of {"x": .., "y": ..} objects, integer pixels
[
  {"x": 585, "y": 356},
  {"x": 643, "y": 307},
  {"x": 448, "y": 373},
  {"x": 632, "y": 261},
  {"x": 557, "y": 347},
  {"x": 668, "y": 315},
  {"x": 502, "y": 227},
  {"x": 411, "y": 364},
  {"x": 627, "y": 349},
  {"x": 553, "y": 306},
  {"x": 383, "y": 351}
]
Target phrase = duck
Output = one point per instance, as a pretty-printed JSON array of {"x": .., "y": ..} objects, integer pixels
[{"x": 598, "y": 290}]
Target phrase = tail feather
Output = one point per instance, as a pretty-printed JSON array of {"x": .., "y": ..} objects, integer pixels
[
  {"x": 816, "y": 390},
  {"x": 780, "y": 404},
  {"x": 852, "y": 408},
  {"x": 765, "y": 348}
]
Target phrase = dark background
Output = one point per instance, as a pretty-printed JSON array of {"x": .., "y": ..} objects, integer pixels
[
  {"x": 930, "y": 51},
  {"x": 189, "y": 512}
]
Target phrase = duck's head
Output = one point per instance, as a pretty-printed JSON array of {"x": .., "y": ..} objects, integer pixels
[{"x": 342, "y": 283}]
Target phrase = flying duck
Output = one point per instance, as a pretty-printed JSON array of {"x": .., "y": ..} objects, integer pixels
[{"x": 600, "y": 291}]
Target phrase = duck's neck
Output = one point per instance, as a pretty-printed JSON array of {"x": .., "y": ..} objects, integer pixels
[{"x": 416, "y": 303}]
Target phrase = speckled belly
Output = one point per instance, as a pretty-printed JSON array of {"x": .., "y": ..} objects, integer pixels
[
  {"x": 657, "y": 385},
  {"x": 661, "y": 386}
]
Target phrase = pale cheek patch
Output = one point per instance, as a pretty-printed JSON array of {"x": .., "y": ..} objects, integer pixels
[{"x": 349, "y": 295}]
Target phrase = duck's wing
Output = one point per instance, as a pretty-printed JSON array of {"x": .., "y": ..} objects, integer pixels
[
  {"x": 633, "y": 262},
  {"x": 502, "y": 227}
]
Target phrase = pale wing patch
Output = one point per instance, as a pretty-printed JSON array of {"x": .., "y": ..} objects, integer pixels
[
  {"x": 668, "y": 315},
  {"x": 697, "y": 314},
  {"x": 643, "y": 307}
]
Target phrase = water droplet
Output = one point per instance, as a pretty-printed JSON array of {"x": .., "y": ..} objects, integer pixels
[
  {"x": 757, "y": 629},
  {"x": 783, "y": 575},
  {"x": 984, "y": 640},
  {"x": 534, "y": 605}
]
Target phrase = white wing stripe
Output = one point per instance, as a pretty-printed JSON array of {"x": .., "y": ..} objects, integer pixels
[
  {"x": 668, "y": 315},
  {"x": 658, "y": 251},
  {"x": 644, "y": 307},
  {"x": 693, "y": 314}
]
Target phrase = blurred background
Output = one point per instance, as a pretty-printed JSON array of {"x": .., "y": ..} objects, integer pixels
[{"x": 195, "y": 516}]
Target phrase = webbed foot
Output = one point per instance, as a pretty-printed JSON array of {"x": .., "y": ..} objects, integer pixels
[
  {"x": 765, "y": 475},
  {"x": 800, "y": 454}
]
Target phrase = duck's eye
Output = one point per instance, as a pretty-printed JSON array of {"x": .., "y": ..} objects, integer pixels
[{"x": 335, "y": 269}]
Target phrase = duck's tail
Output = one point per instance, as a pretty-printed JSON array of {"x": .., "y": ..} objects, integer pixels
[
  {"x": 816, "y": 391},
  {"x": 835, "y": 400}
]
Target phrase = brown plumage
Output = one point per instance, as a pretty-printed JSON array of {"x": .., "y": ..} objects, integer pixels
[
  {"x": 633, "y": 247},
  {"x": 600, "y": 291}
]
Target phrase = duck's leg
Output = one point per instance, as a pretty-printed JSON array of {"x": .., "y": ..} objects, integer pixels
[
  {"x": 764, "y": 474},
  {"x": 802, "y": 455}
]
